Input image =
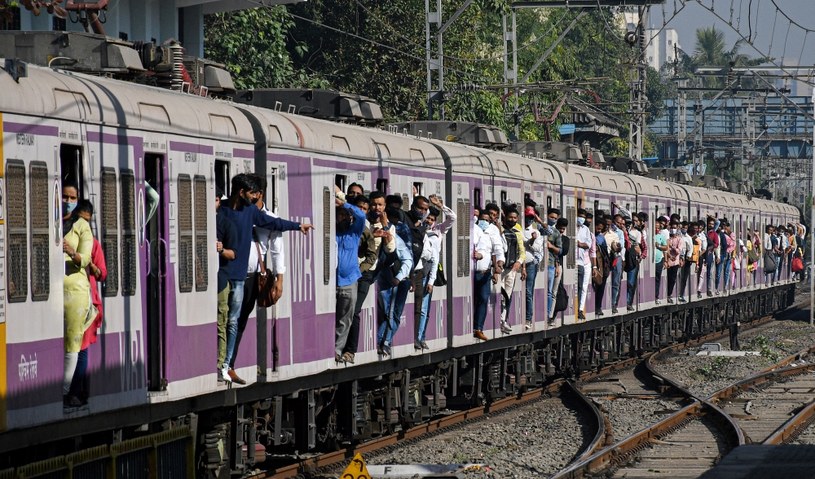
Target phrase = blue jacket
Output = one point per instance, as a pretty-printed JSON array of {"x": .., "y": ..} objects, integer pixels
[
  {"x": 347, "y": 247},
  {"x": 244, "y": 218}
]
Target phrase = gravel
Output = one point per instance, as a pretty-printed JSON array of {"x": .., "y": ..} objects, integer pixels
[
  {"x": 704, "y": 375},
  {"x": 534, "y": 440}
]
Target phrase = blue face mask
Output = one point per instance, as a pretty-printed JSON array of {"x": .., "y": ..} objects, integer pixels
[
  {"x": 551, "y": 222},
  {"x": 684, "y": 232},
  {"x": 581, "y": 220},
  {"x": 67, "y": 208},
  {"x": 483, "y": 224}
]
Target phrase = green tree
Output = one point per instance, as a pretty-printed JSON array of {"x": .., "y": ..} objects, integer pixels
[{"x": 253, "y": 45}]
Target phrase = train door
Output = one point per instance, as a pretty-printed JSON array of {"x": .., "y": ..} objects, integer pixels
[{"x": 155, "y": 236}]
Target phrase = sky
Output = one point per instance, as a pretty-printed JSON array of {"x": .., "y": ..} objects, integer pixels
[{"x": 771, "y": 33}]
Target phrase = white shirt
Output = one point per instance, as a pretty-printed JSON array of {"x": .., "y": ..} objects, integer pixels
[
  {"x": 688, "y": 245},
  {"x": 584, "y": 236},
  {"x": 482, "y": 243},
  {"x": 534, "y": 247},
  {"x": 433, "y": 241},
  {"x": 498, "y": 242},
  {"x": 271, "y": 242}
]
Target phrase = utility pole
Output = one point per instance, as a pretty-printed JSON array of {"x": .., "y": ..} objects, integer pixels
[
  {"x": 682, "y": 117},
  {"x": 637, "y": 95},
  {"x": 511, "y": 64},
  {"x": 812, "y": 222},
  {"x": 435, "y": 63}
]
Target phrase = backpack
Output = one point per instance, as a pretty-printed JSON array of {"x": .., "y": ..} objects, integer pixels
[
  {"x": 631, "y": 260},
  {"x": 769, "y": 262},
  {"x": 603, "y": 262},
  {"x": 797, "y": 264},
  {"x": 565, "y": 245},
  {"x": 752, "y": 253},
  {"x": 562, "y": 299}
]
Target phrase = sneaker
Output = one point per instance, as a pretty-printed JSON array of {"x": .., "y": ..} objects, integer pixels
[
  {"x": 338, "y": 358},
  {"x": 698, "y": 295},
  {"x": 670, "y": 301},
  {"x": 709, "y": 294},
  {"x": 234, "y": 377},
  {"x": 348, "y": 357},
  {"x": 417, "y": 345},
  {"x": 581, "y": 315},
  {"x": 528, "y": 325},
  {"x": 71, "y": 401},
  {"x": 658, "y": 302},
  {"x": 424, "y": 345},
  {"x": 224, "y": 374},
  {"x": 682, "y": 299},
  {"x": 505, "y": 328},
  {"x": 599, "y": 313},
  {"x": 630, "y": 308},
  {"x": 480, "y": 335},
  {"x": 386, "y": 350},
  {"x": 614, "y": 310}
]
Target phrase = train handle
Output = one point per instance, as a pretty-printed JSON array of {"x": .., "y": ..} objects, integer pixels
[
  {"x": 149, "y": 258},
  {"x": 162, "y": 258}
]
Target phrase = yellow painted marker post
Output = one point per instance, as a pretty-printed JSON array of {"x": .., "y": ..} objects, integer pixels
[{"x": 357, "y": 469}]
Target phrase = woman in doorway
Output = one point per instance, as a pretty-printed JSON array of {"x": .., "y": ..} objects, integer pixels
[{"x": 77, "y": 244}]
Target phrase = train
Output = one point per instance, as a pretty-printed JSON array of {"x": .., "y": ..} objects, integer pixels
[{"x": 153, "y": 373}]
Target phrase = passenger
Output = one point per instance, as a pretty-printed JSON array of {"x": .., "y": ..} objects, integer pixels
[
  {"x": 617, "y": 251},
  {"x": 771, "y": 248},
  {"x": 701, "y": 241},
  {"x": 783, "y": 244},
  {"x": 713, "y": 249},
  {"x": 584, "y": 240},
  {"x": 635, "y": 238},
  {"x": 383, "y": 233},
  {"x": 534, "y": 238},
  {"x": 225, "y": 237},
  {"x": 791, "y": 249},
  {"x": 354, "y": 190},
  {"x": 729, "y": 246},
  {"x": 497, "y": 240},
  {"x": 240, "y": 210},
  {"x": 79, "y": 312},
  {"x": 350, "y": 225},
  {"x": 421, "y": 251},
  {"x": 394, "y": 276},
  {"x": 565, "y": 241},
  {"x": 553, "y": 246},
  {"x": 263, "y": 241},
  {"x": 644, "y": 242},
  {"x": 515, "y": 263},
  {"x": 435, "y": 236},
  {"x": 688, "y": 232},
  {"x": 482, "y": 257},
  {"x": 97, "y": 272},
  {"x": 674, "y": 257},
  {"x": 603, "y": 263},
  {"x": 660, "y": 247}
]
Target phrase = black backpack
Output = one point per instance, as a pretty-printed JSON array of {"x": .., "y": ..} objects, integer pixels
[{"x": 562, "y": 299}]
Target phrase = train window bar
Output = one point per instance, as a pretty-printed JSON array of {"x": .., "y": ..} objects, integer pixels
[
  {"x": 477, "y": 197},
  {"x": 382, "y": 185},
  {"x": 418, "y": 188},
  {"x": 341, "y": 181},
  {"x": 504, "y": 197}
]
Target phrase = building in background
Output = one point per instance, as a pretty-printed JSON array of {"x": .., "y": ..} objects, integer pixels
[
  {"x": 662, "y": 47},
  {"x": 144, "y": 20}
]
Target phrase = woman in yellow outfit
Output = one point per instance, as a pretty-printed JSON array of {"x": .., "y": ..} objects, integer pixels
[{"x": 77, "y": 243}]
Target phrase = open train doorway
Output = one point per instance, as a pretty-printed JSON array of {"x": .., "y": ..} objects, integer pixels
[{"x": 156, "y": 240}]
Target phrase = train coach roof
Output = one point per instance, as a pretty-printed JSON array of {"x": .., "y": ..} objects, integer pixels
[
  {"x": 48, "y": 93},
  {"x": 301, "y": 132}
]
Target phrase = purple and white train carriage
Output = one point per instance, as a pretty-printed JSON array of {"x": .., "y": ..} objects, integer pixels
[{"x": 153, "y": 370}]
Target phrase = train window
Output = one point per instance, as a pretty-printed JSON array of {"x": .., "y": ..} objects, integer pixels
[
  {"x": 201, "y": 250},
  {"x": 503, "y": 197},
  {"x": 418, "y": 189},
  {"x": 382, "y": 185},
  {"x": 40, "y": 277},
  {"x": 110, "y": 231},
  {"x": 596, "y": 208},
  {"x": 405, "y": 202},
  {"x": 270, "y": 195},
  {"x": 579, "y": 203},
  {"x": 222, "y": 176},
  {"x": 548, "y": 202},
  {"x": 328, "y": 203},
  {"x": 185, "y": 234},
  {"x": 70, "y": 158},
  {"x": 341, "y": 181},
  {"x": 527, "y": 196},
  {"x": 17, "y": 244},
  {"x": 128, "y": 245},
  {"x": 463, "y": 238},
  {"x": 476, "y": 199}
]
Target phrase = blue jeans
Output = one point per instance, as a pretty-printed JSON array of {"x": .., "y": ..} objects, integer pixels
[
  {"x": 235, "y": 304},
  {"x": 719, "y": 269},
  {"x": 550, "y": 273},
  {"x": 426, "y": 297},
  {"x": 531, "y": 274},
  {"x": 779, "y": 263},
  {"x": 391, "y": 304},
  {"x": 658, "y": 278},
  {"x": 616, "y": 282},
  {"x": 481, "y": 298},
  {"x": 726, "y": 270},
  {"x": 710, "y": 262},
  {"x": 632, "y": 285}
]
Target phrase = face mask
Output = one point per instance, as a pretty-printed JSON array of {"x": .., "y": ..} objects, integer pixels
[
  {"x": 551, "y": 222},
  {"x": 483, "y": 224},
  {"x": 673, "y": 231},
  {"x": 510, "y": 224},
  {"x": 67, "y": 208},
  {"x": 581, "y": 220},
  {"x": 684, "y": 232}
]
